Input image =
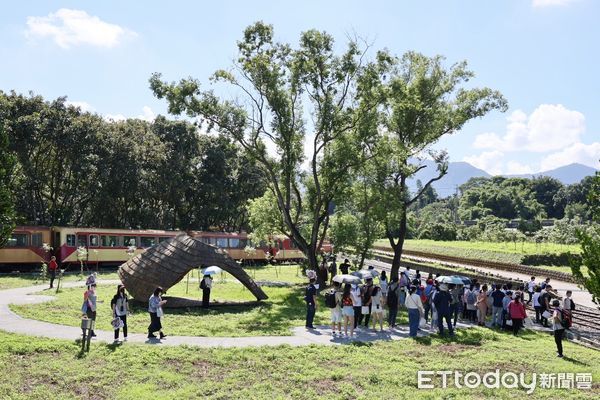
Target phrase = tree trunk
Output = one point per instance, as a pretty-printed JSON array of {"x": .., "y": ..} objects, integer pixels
[{"x": 398, "y": 246}]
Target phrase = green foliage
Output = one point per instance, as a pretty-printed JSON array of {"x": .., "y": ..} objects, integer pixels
[
  {"x": 7, "y": 165},
  {"x": 279, "y": 85},
  {"x": 74, "y": 168},
  {"x": 590, "y": 245}
]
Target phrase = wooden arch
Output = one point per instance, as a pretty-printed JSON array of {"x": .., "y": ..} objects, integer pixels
[{"x": 168, "y": 263}]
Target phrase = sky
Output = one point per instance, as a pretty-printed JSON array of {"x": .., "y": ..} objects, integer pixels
[{"x": 542, "y": 55}]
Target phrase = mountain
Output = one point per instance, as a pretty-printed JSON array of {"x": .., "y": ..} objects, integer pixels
[
  {"x": 568, "y": 174},
  {"x": 460, "y": 172}
]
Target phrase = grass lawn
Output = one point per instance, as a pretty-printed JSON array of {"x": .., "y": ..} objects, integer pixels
[
  {"x": 284, "y": 309},
  {"x": 10, "y": 281},
  {"x": 44, "y": 368}
]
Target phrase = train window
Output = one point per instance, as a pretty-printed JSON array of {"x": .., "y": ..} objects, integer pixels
[
  {"x": 146, "y": 242},
  {"x": 222, "y": 243},
  {"x": 36, "y": 239},
  {"x": 130, "y": 241},
  {"x": 94, "y": 242},
  {"x": 81, "y": 241},
  {"x": 109, "y": 241},
  {"x": 71, "y": 240},
  {"x": 234, "y": 243},
  {"x": 17, "y": 240},
  {"x": 163, "y": 239},
  {"x": 243, "y": 243},
  {"x": 212, "y": 240}
]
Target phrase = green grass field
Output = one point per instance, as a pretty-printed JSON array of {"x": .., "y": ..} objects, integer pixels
[
  {"x": 500, "y": 252},
  {"x": 44, "y": 368}
]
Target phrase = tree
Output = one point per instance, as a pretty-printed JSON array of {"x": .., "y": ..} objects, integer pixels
[
  {"x": 544, "y": 188},
  {"x": 7, "y": 210},
  {"x": 278, "y": 85},
  {"x": 423, "y": 101},
  {"x": 590, "y": 245}
]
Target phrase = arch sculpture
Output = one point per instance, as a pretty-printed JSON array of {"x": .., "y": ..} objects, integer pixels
[{"x": 168, "y": 262}]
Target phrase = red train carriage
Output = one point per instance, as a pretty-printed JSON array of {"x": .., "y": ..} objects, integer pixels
[{"x": 25, "y": 247}]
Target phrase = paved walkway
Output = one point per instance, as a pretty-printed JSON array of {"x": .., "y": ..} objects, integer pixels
[{"x": 11, "y": 322}]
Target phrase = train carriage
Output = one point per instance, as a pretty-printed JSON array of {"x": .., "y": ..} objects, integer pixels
[{"x": 25, "y": 247}]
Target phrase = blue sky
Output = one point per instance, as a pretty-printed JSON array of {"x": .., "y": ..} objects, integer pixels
[{"x": 541, "y": 54}]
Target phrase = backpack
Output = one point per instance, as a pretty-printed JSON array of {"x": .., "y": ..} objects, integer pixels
[
  {"x": 471, "y": 297},
  {"x": 330, "y": 299},
  {"x": 203, "y": 284},
  {"x": 392, "y": 298},
  {"x": 542, "y": 300},
  {"x": 565, "y": 319},
  {"x": 572, "y": 305}
]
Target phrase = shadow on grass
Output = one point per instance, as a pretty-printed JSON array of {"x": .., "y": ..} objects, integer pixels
[
  {"x": 467, "y": 337},
  {"x": 576, "y": 362}
]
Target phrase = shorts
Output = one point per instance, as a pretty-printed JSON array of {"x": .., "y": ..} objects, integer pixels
[
  {"x": 348, "y": 311},
  {"x": 377, "y": 310},
  {"x": 336, "y": 315}
]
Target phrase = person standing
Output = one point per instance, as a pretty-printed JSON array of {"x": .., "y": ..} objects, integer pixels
[
  {"x": 392, "y": 302},
  {"x": 456, "y": 292},
  {"x": 52, "y": 267},
  {"x": 471, "y": 300},
  {"x": 557, "y": 327},
  {"x": 415, "y": 310},
  {"x": 155, "y": 304},
  {"x": 377, "y": 307},
  {"x": 336, "y": 311},
  {"x": 482, "y": 305},
  {"x": 311, "y": 303},
  {"x": 505, "y": 302},
  {"x": 531, "y": 288},
  {"x": 536, "y": 304},
  {"x": 442, "y": 301},
  {"x": 383, "y": 284},
  {"x": 497, "y": 297},
  {"x": 366, "y": 300},
  {"x": 345, "y": 267},
  {"x": 348, "y": 310},
  {"x": 333, "y": 269},
  {"x": 357, "y": 304},
  {"x": 544, "y": 301},
  {"x": 120, "y": 308},
  {"x": 516, "y": 311},
  {"x": 206, "y": 285},
  {"x": 89, "y": 305}
]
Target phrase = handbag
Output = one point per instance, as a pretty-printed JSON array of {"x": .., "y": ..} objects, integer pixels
[
  {"x": 365, "y": 310},
  {"x": 117, "y": 323},
  {"x": 546, "y": 314},
  {"x": 159, "y": 312},
  {"x": 422, "y": 322}
]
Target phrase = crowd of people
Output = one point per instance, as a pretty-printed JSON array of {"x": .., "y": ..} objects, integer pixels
[
  {"x": 432, "y": 304},
  {"x": 119, "y": 305}
]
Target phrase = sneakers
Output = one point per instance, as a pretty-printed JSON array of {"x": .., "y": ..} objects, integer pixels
[{"x": 125, "y": 339}]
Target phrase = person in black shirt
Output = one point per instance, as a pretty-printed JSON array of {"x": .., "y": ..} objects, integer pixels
[
  {"x": 345, "y": 267},
  {"x": 311, "y": 303}
]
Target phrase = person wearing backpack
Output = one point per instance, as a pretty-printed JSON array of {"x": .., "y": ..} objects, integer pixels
[
  {"x": 333, "y": 300},
  {"x": 497, "y": 297},
  {"x": 558, "y": 327},
  {"x": 516, "y": 310},
  {"x": 377, "y": 307},
  {"x": 536, "y": 304},
  {"x": 310, "y": 297},
  {"x": 427, "y": 303},
  {"x": 442, "y": 301},
  {"x": 206, "y": 285},
  {"x": 392, "y": 301},
  {"x": 568, "y": 303},
  {"x": 481, "y": 304}
]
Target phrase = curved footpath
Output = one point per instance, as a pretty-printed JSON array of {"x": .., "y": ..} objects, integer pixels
[{"x": 11, "y": 322}]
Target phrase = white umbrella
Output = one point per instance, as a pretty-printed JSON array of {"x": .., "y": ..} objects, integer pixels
[
  {"x": 212, "y": 270},
  {"x": 450, "y": 279},
  {"x": 346, "y": 278},
  {"x": 365, "y": 273}
]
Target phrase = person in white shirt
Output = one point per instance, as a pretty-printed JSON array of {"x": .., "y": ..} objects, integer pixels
[
  {"x": 415, "y": 310},
  {"x": 357, "y": 304},
  {"x": 531, "y": 289},
  {"x": 206, "y": 285}
]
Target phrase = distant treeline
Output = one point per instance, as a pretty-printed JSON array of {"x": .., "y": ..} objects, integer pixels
[
  {"x": 75, "y": 168},
  {"x": 493, "y": 204}
]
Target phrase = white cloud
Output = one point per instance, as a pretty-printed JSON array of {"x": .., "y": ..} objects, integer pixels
[
  {"x": 75, "y": 27},
  {"x": 550, "y": 127},
  {"x": 83, "y": 106},
  {"x": 551, "y": 3},
  {"x": 147, "y": 115},
  {"x": 489, "y": 161},
  {"x": 587, "y": 154},
  {"x": 516, "y": 168}
]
